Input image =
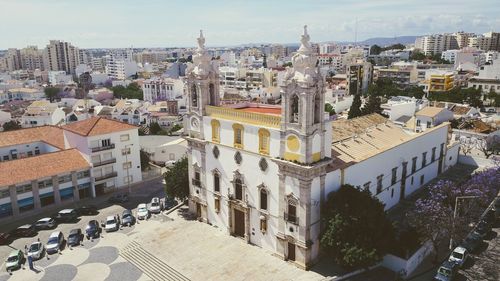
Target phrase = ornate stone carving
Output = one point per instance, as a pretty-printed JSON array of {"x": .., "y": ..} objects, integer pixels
[
  {"x": 202, "y": 65},
  {"x": 304, "y": 63}
]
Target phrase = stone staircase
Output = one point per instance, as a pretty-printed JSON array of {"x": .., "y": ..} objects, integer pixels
[{"x": 153, "y": 267}]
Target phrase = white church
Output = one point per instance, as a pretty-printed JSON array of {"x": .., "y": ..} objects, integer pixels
[{"x": 261, "y": 172}]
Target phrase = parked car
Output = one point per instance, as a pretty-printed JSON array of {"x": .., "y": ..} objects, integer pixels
[
  {"x": 490, "y": 217},
  {"x": 36, "y": 250},
  {"x": 128, "y": 218},
  {"x": 472, "y": 242},
  {"x": 170, "y": 203},
  {"x": 93, "y": 230},
  {"x": 67, "y": 215},
  {"x": 87, "y": 210},
  {"x": 5, "y": 238},
  {"x": 155, "y": 206},
  {"x": 459, "y": 256},
  {"x": 497, "y": 207},
  {"x": 142, "y": 211},
  {"x": 26, "y": 230},
  {"x": 118, "y": 198},
  {"x": 482, "y": 229},
  {"x": 111, "y": 224},
  {"x": 55, "y": 242},
  {"x": 15, "y": 260},
  {"x": 45, "y": 223},
  {"x": 446, "y": 272},
  {"x": 75, "y": 237}
]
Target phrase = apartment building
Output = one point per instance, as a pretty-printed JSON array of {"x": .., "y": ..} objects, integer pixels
[
  {"x": 27, "y": 94},
  {"x": 120, "y": 68},
  {"x": 441, "y": 81},
  {"x": 162, "y": 89},
  {"x": 48, "y": 165},
  {"x": 436, "y": 43},
  {"x": 32, "y": 58},
  {"x": 359, "y": 77},
  {"x": 61, "y": 56},
  {"x": 402, "y": 75},
  {"x": 488, "y": 78}
]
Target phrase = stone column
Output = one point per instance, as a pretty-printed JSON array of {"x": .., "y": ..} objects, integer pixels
[
  {"x": 305, "y": 219},
  {"x": 281, "y": 243},
  {"x": 74, "y": 182},
  {"x": 55, "y": 190},
  {"x": 13, "y": 200},
  {"x": 36, "y": 195}
]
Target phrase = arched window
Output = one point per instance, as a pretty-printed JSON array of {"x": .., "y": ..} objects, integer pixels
[
  {"x": 263, "y": 199},
  {"x": 215, "y": 130},
  {"x": 211, "y": 92},
  {"x": 238, "y": 135},
  {"x": 317, "y": 108},
  {"x": 294, "y": 109},
  {"x": 194, "y": 96},
  {"x": 216, "y": 182},
  {"x": 238, "y": 189},
  {"x": 264, "y": 137}
]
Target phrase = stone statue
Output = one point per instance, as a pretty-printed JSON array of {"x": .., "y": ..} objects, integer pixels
[{"x": 201, "y": 41}]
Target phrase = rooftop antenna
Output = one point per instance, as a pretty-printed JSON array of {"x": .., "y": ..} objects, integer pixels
[{"x": 356, "y": 32}]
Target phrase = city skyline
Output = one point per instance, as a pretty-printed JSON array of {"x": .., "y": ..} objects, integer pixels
[{"x": 158, "y": 24}]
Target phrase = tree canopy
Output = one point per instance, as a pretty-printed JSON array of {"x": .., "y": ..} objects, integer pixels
[
  {"x": 177, "y": 180},
  {"x": 11, "y": 126},
  {"x": 357, "y": 232},
  {"x": 469, "y": 96},
  {"x": 355, "y": 110},
  {"x": 144, "y": 159},
  {"x": 376, "y": 49},
  {"x": 433, "y": 215},
  {"x": 51, "y": 93},
  {"x": 132, "y": 91}
]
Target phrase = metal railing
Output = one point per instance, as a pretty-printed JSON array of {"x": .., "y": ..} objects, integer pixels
[
  {"x": 196, "y": 182},
  {"x": 101, "y": 148},
  {"x": 106, "y": 176},
  {"x": 291, "y": 218},
  {"x": 104, "y": 162}
]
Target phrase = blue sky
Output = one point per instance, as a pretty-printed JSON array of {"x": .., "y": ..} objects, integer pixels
[{"x": 168, "y": 23}]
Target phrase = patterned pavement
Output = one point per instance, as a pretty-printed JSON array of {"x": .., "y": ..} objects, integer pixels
[{"x": 94, "y": 260}]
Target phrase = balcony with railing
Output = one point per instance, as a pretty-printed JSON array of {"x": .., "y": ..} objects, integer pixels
[
  {"x": 104, "y": 162},
  {"x": 291, "y": 218},
  {"x": 196, "y": 182},
  {"x": 102, "y": 148},
  {"x": 106, "y": 176}
]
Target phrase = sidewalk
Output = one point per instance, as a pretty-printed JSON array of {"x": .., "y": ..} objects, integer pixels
[{"x": 138, "y": 189}]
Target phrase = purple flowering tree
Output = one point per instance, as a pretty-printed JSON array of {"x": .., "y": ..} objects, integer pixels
[{"x": 433, "y": 215}]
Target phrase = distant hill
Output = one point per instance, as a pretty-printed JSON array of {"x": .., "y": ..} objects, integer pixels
[{"x": 386, "y": 41}]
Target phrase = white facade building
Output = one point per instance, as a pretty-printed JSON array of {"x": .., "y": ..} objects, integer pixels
[
  {"x": 262, "y": 172},
  {"x": 162, "y": 89},
  {"x": 40, "y": 113},
  {"x": 51, "y": 166}
]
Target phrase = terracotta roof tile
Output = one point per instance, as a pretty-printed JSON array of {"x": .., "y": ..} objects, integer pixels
[
  {"x": 97, "y": 126},
  {"x": 48, "y": 134},
  {"x": 44, "y": 165}
]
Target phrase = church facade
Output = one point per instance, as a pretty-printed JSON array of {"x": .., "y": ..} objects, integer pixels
[{"x": 260, "y": 172}]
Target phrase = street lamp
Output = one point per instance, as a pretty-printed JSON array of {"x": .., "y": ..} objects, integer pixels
[
  {"x": 455, "y": 215},
  {"x": 128, "y": 168}
]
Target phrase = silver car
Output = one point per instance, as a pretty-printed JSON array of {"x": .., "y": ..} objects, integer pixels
[
  {"x": 36, "y": 250},
  {"x": 45, "y": 223}
]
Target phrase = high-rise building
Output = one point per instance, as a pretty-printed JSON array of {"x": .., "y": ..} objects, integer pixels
[
  {"x": 61, "y": 56},
  {"x": 13, "y": 59},
  {"x": 32, "y": 58},
  {"x": 436, "y": 43}
]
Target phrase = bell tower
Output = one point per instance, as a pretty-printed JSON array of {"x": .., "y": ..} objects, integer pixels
[
  {"x": 201, "y": 87},
  {"x": 303, "y": 125}
]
